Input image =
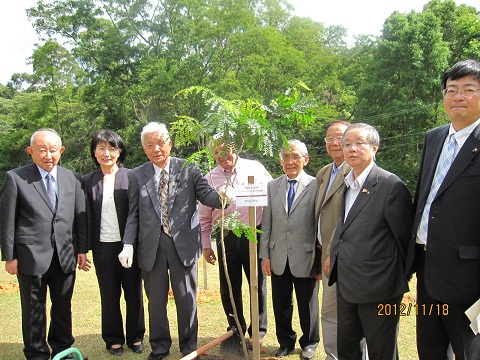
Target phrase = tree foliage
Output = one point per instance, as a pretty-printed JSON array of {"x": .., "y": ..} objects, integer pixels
[{"x": 120, "y": 63}]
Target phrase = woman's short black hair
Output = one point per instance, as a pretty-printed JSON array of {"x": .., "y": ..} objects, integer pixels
[{"x": 113, "y": 139}]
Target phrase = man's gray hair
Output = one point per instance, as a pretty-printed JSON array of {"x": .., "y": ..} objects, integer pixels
[
  {"x": 299, "y": 145},
  {"x": 154, "y": 127},
  {"x": 373, "y": 138},
  {"x": 32, "y": 138}
]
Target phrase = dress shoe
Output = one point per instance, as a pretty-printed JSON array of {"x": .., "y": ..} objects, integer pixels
[
  {"x": 116, "y": 351},
  {"x": 308, "y": 354},
  {"x": 283, "y": 351},
  {"x": 137, "y": 348},
  {"x": 158, "y": 356}
]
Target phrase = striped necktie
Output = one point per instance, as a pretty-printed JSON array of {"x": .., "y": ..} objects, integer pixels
[
  {"x": 51, "y": 191},
  {"x": 163, "y": 198},
  {"x": 444, "y": 164}
]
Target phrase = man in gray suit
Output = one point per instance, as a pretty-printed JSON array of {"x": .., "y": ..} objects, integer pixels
[
  {"x": 287, "y": 250},
  {"x": 164, "y": 230},
  {"x": 327, "y": 211},
  {"x": 368, "y": 250},
  {"x": 43, "y": 233}
]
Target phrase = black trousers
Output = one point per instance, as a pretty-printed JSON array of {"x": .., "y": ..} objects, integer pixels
[
  {"x": 33, "y": 295},
  {"x": 306, "y": 291},
  {"x": 238, "y": 260},
  {"x": 356, "y": 321},
  {"x": 112, "y": 278},
  {"x": 439, "y": 324}
]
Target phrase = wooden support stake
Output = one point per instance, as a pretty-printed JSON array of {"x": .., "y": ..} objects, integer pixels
[
  {"x": 208, "y": 346},
  {"x": 252, "y": 216}
]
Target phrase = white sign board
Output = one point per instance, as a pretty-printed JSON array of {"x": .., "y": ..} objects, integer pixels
[{"x": 251, "y": 195}]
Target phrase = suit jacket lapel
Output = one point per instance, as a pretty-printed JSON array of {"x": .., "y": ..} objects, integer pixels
[
  {"x": 152, "y": 188},
  {"x": 430, "y": 161},
  {"x": 465, "y": 157},
  {"x": 97, "y": 185},
  {"x": 305, "y": 184},
  {"x": 173, "y": 180},
  {"x": 364, "y": 196},
  {"x": 62, "y": 186},
  {"x": 321, "y": 189},
  {"x": 337, "y": 183},
  {"x": 39, "y": 185},
  {"x": 282, "y": 191},
  {"x": 325, "y": 180}
]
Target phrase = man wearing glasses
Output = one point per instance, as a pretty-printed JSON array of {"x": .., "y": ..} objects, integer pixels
[
  {"x": 368, "y": 250},
  {"x": 327, "y": 211},
  {"x": 287, "y": 247},
  {"x": 446, "y": 249}
]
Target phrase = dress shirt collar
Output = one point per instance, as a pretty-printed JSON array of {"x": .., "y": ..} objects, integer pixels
[
  {"x": 462, "y": 135},
  {"x": 299, "y": 178},
  {"x": 158, "y": 170},
  {"x": 235, "y": 169},
  {"x": 353, "y": 183},
  {"x": 44, "y": 173},
  {"x": 336, "y": 168}
]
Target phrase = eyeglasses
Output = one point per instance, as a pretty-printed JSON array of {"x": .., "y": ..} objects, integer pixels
[
  {"x": 355, "y": 144},
  {"x": 294, "y": 158},
  {"x": 161, "y": 144},
  {"x": 451, "y": 93},
  {"x": 330, "y": 139}
]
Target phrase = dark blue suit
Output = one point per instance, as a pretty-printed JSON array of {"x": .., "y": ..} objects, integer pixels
[{"x": 448, "y": 272}]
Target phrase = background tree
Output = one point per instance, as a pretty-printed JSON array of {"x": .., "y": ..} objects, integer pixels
[
  {"x": 400, "y": 94},
  {"x": 119, "y": 63}
]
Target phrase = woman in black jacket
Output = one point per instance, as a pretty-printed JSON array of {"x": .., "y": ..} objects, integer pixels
[{"x": 107, "y": 210}]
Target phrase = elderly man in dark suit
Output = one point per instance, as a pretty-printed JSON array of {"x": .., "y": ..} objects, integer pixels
[
  {"x": 446, "y": 229},
  {"x": 287, "y": 247},
  {"x": 368, "y": 250},
  {"x": 43, "y": 236},
  {"x": 163, "y": 229}
]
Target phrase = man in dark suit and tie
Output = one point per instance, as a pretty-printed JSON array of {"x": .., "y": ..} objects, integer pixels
[
  {"x": 368, "y": 250},
  {"x": 445, "y": 251},
  {"x": 287, "y": 247},
  {"x": 163, "y": 228},
  {"x": 43, "y": 233}
]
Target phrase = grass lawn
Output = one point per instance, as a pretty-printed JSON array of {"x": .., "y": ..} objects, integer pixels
[{"x": 212, "y": 322}]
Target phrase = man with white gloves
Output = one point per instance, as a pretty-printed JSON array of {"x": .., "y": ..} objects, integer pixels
[{"x": 163, "y": 228}]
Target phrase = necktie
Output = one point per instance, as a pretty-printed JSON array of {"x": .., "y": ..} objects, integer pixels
[
  {"x": 444, "y": 164},
  {"x": 51, "y": 191},
  {"x": 291, "y": 193},
  {"x": 163, "y": 198}
]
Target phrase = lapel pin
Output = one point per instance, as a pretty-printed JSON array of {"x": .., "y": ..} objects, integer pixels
[
  {"x": 366, "y": 191},
  {"x": 474, "y": 151}
]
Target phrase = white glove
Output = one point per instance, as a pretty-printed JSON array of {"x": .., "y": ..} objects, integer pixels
[
  {"x": 227, "y": 194},
  {"x": 126, "y": 256}
]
